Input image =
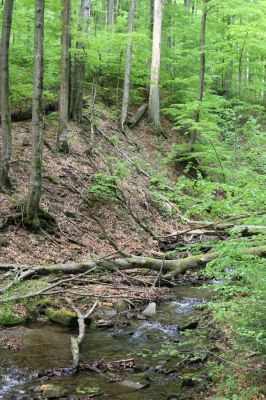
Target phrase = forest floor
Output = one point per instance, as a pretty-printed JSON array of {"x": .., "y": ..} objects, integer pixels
[{"x": 66, "y": 180}]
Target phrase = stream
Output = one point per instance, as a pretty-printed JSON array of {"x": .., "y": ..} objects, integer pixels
[{"x": 48, "y": 346}]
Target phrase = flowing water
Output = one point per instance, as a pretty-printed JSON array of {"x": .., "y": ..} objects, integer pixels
[{"x": 48, "y": 346}]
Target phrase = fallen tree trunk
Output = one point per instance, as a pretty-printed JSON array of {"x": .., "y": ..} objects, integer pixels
[
  {"x": 172, "y": 267},
  {"x": 139, "y": 114}
]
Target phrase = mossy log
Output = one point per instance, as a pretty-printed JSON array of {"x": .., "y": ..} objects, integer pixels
[
  {"x": 173, "y": 267},
  {"x": 63, "y": 317}
]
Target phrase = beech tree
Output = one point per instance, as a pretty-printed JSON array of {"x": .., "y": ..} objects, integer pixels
[
  {"x": 5, "y": 182},
  {"x": 62, "y": 144},
  {"x": 78, "y": 74},
  {"x": 35, "y": 188},
  {"x": 126, "y": 91},
  {"x": 154, "y": 97}
]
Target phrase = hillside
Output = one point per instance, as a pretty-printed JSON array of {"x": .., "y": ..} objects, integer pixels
[{"x": 66, "y": 180}]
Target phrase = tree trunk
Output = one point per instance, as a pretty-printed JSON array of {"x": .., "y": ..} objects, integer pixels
[
  {"x": 62, "y": 144},
  {"x": 34, "y": 195},
  {"x": 125, "y": 101},
  {"x": 239, "y": 72},
  {"x": 76, "y": 98},
  {"x": 110, "y": 12},
  {"x": 5, "y": 182},
  {"x": 154, "y": 98},
  {"x": 187, "y": 5},
  {"x": 151, "y": 17},
  {"x": 202, "y": 70}
]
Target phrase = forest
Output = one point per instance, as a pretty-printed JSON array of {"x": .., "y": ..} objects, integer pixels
[{"x": 132, "y": 199}]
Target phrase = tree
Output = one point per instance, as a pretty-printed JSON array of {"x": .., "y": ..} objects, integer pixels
[
  {"x": 35, "y": 188},
  {"x": 110, "y": 12},
  {"x": 154, "y": 97},
  {"x": 62, "y": 144},
  {"x": 5, "y": 182},
  {"x": 187, "y": 5},
  {"x": 201, "y": 71},
  {"x": 125, "y": 101},
  {"x": 78, "y": 74}
]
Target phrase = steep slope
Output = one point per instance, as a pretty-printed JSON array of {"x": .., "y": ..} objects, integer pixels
[{"x": 89, "y": 226}]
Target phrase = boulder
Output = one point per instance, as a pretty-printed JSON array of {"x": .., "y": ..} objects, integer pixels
[
  {"x": 50, "y": 391},
  {"x": 150, "y": 311},
  {"x": 121, "y": 305}
]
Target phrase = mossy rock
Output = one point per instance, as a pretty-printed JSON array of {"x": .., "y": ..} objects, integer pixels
[{"x": 64, "y": 317}]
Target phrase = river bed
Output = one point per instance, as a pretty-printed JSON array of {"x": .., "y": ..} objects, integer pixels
[{"x": 48, "y": 346}]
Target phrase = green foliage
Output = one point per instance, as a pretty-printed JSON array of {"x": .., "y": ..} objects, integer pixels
[
  {"x": 90, "y": 390},
  {"x": 243, "y": 295},
  {"x": 8, "y": 317},
  {"x": 104, "y": 184}
]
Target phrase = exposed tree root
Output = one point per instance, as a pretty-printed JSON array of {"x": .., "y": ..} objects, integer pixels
[{"x": 46, "y": 221}]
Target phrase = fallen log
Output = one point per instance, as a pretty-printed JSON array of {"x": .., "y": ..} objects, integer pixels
[
  {"x": 171, "y": 267},
  {"x": 139, "y": 114}
]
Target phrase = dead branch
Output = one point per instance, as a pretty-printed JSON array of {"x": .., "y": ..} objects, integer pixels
[{"x": 76, "y": 342}]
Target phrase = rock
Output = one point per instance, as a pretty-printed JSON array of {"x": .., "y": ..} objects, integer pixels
[
  {"x": 101, "y": 323},
  {"x": 150, "y": 311},
  {"x": 141, "y": 317},
  {"x": 121, "y": 305},
  {"x": 189, "y": 323},
  {"x": 138, "y": 385},
  {"x": 50, "y": 391},
  {"x": 64, "y": 317}
]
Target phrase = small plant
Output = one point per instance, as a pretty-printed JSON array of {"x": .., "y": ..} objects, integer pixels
[
  {"x": 105, "y": 184},
  {"x": 89, "y": 390}
]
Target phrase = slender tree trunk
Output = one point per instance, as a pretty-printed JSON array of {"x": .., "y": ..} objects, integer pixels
[
  {"x": 154, "y": 98},
  {"x": 62, "y": 144},
  {"x": 202, "y": 70},
  {"x": 151, "y": 17},
  {"x": 110, "y": 12},
  {"x": 240, "y": 61},
  {"x": 126, "y": 91},
  {"x": 35, "y": 189},
  {"x": 5, "y": 182},
  {"x": 78, "y": 75},
  {"x": 187, "y": 5}
]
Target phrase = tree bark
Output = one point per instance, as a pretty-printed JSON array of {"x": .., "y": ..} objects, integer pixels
[
  {"x": 202, "y": 70},
  {"x": 126, "y": 91},
  {"x": 5, "y": 182},
  {"x": 62, "y": 143},
  {"x": 110, "y": 12},
  {"x": 78, "y": 75},
  {"x": 151, "y": 15},
  {"x": 35, "y": 188},
  {"x": 154, "y": 97}
]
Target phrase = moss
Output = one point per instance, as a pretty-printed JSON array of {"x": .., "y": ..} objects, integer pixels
[
  {"x": 53, "y": 179},
  {"x": 8, "y": 317},
  {"x": 63, "y": 316}
]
